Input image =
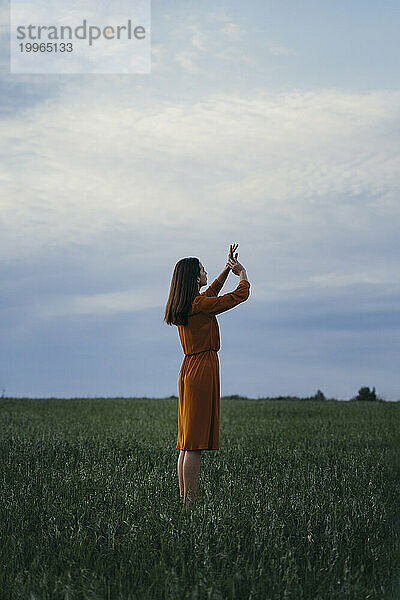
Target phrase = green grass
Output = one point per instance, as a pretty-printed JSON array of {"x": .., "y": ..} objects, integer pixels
[{"x": 301, "y": 502}]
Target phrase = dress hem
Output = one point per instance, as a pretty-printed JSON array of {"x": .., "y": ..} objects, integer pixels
[{"x": 190, "y": 449}]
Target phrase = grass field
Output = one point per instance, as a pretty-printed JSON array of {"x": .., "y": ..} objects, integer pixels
[{"x": 301, "y": 502}]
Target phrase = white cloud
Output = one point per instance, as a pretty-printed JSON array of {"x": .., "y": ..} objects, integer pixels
[
  {"x": 219, "y": 14},
  {"x": 101, "y": 304},
  {"x": 200, "y": 40},
  {"x": 158, "y": 52},
  {"x": 285, "y": 172},
  {"x": 332, "y": 287},
  {"x": 278, "y": 49},
  {"x": 187, "y": 61},
  {"x": 231, "y": 31},
  {"x": 197, "y": 43}
]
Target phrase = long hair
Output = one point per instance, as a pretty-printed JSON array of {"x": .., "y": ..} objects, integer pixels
[{"x": 183, "y": 290}]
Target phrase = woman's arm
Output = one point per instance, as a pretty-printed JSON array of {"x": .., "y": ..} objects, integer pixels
[
  {"x": 243, "y": 275},
  {"x": 216, "y": 285},
  {"x": 223, "y": 275},
  {"x": 218, "y": 304}
]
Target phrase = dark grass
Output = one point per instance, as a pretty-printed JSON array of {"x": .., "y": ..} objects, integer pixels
[{"x": 301, "y": 502}]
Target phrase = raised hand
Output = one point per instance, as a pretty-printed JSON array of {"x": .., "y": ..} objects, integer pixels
[
  {"x": 232, "y": 249},
  {"x": 235, "y": 266}
]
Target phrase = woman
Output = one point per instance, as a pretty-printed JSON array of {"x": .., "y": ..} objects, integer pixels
[{"x": 199, "y": 387}]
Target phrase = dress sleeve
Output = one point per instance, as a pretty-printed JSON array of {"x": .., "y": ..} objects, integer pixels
[
  {"x": 219, "y": 304},
  {"x": 213, "y": 289}
]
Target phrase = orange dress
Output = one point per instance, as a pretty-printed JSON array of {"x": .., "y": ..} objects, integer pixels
[{"x": 199, "y": 386}]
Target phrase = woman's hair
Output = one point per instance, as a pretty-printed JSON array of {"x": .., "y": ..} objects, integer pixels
[{"x": 183, "y": 290}]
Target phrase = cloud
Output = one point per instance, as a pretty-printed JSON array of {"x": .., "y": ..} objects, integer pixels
[
  {"x": 278, "y": 49},
  {"x": 100, "y": 304},
  {"x": 310, "y": 179},
  {"x": 107, "y": 182},
  {"x": 219, "y": 14},
  {"x": 231, "y": 31},
  {"x": 158, "y": 52},
  {"x": 187, "y": 61},
  {"x": 202, "y": 41}
]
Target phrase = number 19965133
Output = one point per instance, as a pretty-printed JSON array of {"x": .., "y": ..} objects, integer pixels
[{"x": 46, "y": 47}]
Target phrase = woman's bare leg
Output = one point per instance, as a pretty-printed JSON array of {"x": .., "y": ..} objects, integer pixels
[
  {"x": 191, "y": 468},
  {"x": 180, "y": 473}
]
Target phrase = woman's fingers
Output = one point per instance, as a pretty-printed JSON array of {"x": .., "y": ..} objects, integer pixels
[{"x": 232, "y": 248}]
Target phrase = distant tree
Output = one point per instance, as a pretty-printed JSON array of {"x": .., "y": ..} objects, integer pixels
[
  {"x": 319, "y": 395},
  {"x": 365, "y": 393}
]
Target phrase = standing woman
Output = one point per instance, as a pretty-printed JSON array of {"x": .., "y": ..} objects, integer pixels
[{"x": 199, "y": 386}]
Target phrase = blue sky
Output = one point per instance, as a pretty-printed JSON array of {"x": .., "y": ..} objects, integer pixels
[{"x": 274, "y": 125}]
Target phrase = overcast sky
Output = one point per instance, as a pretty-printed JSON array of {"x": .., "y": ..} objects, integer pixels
[{"x": 273, "y": 125}]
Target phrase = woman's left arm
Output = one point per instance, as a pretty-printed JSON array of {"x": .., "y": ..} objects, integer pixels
[
  {"x": 215, "y": 287},
  {"x": 223, "y": 275}
]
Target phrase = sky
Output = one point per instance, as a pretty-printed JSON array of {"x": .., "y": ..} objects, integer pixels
[{"x": 272, "y": 125}]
